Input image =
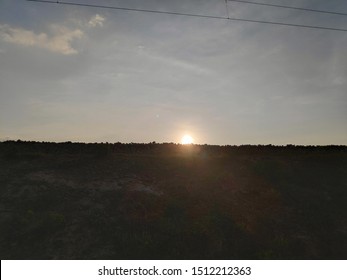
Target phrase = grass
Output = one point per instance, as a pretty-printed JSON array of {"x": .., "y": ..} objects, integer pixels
[{"x": 167, "y": 201}]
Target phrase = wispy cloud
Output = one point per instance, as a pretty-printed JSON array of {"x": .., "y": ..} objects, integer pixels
[
  {"x": 96, "y": 20},
  {"x": 59, "y": 41},
  {"x": 171, "y": 61}
]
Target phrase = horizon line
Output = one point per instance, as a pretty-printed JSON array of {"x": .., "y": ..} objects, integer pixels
[{"x": 173, "y": 143}]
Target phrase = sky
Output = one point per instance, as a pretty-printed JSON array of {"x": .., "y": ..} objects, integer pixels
[{"x": 72, "y": 73}]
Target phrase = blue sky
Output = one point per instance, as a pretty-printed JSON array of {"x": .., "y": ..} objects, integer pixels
[{"x": 96, "y": 75}]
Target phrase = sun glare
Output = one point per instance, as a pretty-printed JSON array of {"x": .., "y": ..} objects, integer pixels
[{"x": 187, "y": 139}]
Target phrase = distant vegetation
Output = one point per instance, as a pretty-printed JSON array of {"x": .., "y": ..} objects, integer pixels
[{"x": 170, "y": 201}]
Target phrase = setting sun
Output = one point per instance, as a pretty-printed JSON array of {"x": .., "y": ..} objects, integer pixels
[{"x": 187, "y": 139}]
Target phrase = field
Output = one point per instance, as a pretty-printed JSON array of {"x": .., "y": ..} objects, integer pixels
[{"x": 169, "y": 201}]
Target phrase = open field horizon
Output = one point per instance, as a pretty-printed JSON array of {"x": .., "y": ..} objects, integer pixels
[{"x": 165, "y": 129}]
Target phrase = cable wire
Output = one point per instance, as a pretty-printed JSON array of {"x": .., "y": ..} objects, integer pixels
[
  {"x": 289, "y": 7},
  {"x": 125, "y": 9},
  {"x": 190, "y": 15}
]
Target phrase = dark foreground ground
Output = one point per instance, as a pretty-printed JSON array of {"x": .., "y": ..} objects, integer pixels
[{"x": 167, "y": 201}]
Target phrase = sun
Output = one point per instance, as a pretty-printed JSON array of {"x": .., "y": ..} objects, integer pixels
[{"x": 187, "y": 139}]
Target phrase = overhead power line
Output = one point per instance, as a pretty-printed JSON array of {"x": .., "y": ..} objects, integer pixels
[
  {"x": 125, "y": 9},
  {"x": 289, "y": 7},
  {"x": 188, "y": 14}
]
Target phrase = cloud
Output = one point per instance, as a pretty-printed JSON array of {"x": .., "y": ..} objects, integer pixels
[
  {"x": 96, "y": 20},
  {"x": 59, "y": 42},
  {"x": 171, "y": 61}
]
